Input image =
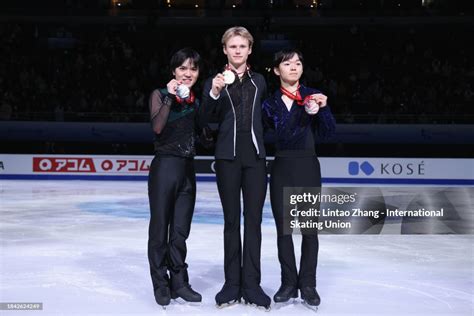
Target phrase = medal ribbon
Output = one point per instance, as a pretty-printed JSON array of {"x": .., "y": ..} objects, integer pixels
[
  {"x": 188, "y": 100},
  {"x": 297, "y": 97},
  {"x": 247, "y": 68}
]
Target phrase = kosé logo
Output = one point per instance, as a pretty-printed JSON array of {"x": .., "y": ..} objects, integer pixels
[{"x": 365, "y": 167}]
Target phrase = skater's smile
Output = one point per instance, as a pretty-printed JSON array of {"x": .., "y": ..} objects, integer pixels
[{"x": 187, "y": 73}]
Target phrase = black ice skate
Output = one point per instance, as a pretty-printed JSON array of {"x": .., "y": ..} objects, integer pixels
[
  {"x": 228, "y": 295},
  {"x": 285, "y": 293},
  {"x": 162, "y": 296},
  {"x": 285, "y": 296},
  {"x": 187, "y": 294},
  {"x": 310, "y": 297},
  {"x": 256, "y": 297}
]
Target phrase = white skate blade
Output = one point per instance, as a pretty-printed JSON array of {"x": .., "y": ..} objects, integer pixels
[
  {"x": 280, "y": 305},
  {"x": 181, "y": 301},
  {"x": 262, "y": 308},
  {"x": 228, "y": 304},
  {"x": 310, "y": 307}
]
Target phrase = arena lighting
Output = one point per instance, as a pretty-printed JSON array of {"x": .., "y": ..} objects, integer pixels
[
  {"x": 116, "y": 3},
  {"x": 196, "y": 5}
]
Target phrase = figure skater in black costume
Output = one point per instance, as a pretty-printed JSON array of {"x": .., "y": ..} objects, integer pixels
[
  {"x": 296, "y": 113},
  {"x": 172, "y": 180}
]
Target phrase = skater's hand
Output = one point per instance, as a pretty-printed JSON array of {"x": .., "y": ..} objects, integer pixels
[
  {"x": 320, "y": 99},
  {"x": 172, "y": 86},
  {"x": 311, "y": 107},
  {"x": 217, "y": 84}
]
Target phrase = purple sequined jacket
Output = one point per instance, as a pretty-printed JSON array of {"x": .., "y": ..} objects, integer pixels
[{"x": 295, "y": 129}]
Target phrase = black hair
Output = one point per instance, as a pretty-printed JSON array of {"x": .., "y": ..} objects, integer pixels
[
  {"x": 286, "y": 54},
  {"x": 182, "y": 55}
]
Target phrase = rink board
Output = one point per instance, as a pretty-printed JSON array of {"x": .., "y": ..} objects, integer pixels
[{"x": 335, "y": 170}]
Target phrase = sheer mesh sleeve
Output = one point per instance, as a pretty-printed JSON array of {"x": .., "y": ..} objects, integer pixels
[{"x": 159, "y": 110}]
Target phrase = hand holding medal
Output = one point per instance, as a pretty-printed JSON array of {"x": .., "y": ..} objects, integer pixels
[
  {"x": 320, "y": 99},
  {"x": 311, "y": 107},
  {"x": 311, "y": 103},
  {"x": 182, "y": 91},
  {"x": 314, "y": 102},
  {"x": 172, "y": 86},
  {"x": 218, "y": 84},
  {"x": 229, "y": 76}
]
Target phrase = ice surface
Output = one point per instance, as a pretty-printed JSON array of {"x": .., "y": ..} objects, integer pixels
[{"x": 79, "y": 247}]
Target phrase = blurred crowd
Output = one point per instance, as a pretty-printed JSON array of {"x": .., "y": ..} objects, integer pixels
[{"x": 372, "y": 73}]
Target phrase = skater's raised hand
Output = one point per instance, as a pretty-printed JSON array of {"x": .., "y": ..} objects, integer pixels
[
  {"x": 172, "y": 86},
  {"x": 311, "y": 107},
  {"x": 217, "y": 84},
  {"x": 320, "y": 99}
]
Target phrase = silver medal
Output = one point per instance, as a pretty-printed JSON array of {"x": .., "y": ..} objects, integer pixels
[{"x": 182, "y": 91}]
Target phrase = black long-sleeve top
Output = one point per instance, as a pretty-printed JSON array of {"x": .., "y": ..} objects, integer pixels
[
  {"x": 174, "y": 125},
  {"x": 239, "y": 111}
]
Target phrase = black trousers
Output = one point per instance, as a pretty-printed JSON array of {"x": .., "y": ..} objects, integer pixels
[
  {"x": 172, "y": 195},
  {"x": 294, "y": 171},
  {"x": 246, "y": 173}
]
